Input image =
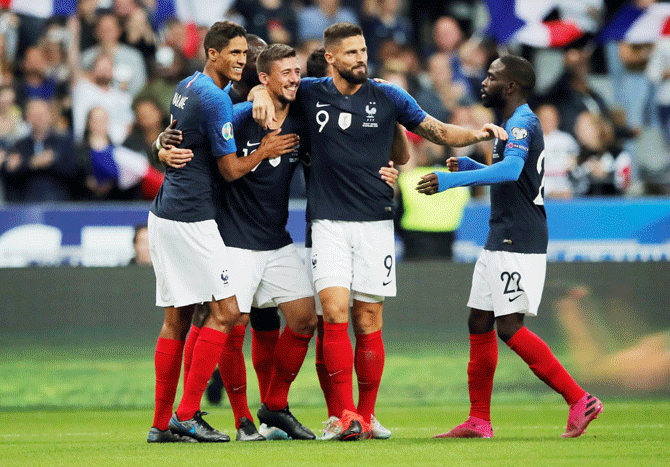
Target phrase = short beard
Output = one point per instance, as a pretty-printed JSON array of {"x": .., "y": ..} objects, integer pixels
[
  {"x": 350, "y": 77},
  {"x": 493, "y": 101}
]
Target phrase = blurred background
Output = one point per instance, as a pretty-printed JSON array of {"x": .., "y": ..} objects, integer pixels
[{"x": 85, "y": 89}]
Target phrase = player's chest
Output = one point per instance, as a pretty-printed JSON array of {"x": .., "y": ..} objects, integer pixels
[
  {"x": 273, "y": 167},
  {"x": 351, "y": 117}
]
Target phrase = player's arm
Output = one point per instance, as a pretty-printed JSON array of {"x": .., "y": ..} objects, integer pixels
[
  {"x": 507, "y": 170},
  {"x": 272, "y": 145},
  {"x": 454, "y": 135},
  {"x": 389, "y": 174},
  {"x": 463, "y": 164},
  {"x": 175, "y": 157},
  {"x": 400, "y": 148}
]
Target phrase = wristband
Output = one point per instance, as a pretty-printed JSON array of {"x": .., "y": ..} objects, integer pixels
[{"x": 158, "y": 141}]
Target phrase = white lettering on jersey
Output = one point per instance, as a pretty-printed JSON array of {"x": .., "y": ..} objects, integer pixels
[
  {"x": 370, "y": 119},
  {"x": 178, "y": 100},
  {"x": 344, "y": 121},
  {"x": 322, "y": 118}
]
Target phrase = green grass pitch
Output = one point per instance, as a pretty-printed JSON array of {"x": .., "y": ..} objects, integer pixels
[{"x": 92, "y": 406}]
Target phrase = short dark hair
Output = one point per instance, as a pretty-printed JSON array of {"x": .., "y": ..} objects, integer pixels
[
  {"x": 220, "y": 34},
  {"x": 271, "y": 54},
  {"x": 317, "y": 64},
  {"x": 519, "y": 70},
  {"x": 338, "y": 31}
]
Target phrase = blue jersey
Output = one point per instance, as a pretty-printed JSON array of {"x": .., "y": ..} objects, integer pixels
[
  {"x": 518, "y": 220},
  {"x": 253, "y": 210},
  {"x": 351, "y": 138},
  {"x": 204, "y": 115}
]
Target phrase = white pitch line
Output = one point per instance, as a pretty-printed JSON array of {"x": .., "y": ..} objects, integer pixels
[{"x": 26, "y": 435}]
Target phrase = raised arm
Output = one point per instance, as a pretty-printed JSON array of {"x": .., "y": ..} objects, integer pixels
[{"x": 453, "y": 135}]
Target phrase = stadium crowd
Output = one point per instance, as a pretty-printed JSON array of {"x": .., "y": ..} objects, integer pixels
[{"x": 84, "y": 94}]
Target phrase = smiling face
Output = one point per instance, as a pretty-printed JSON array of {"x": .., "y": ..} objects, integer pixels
[
  {"x": 349, "y": 58},
  {"x": 230, "y": 60},
  {"x": 283, "y": 80},
  {"x": 493, "y": 87}
]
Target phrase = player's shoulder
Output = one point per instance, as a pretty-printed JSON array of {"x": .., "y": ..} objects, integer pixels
[
  {"x": 309, "y": 82},
  {"x": 522, "y": 123},
  {"x": 205, "y": 87},
  {"x": 393, "y": 91}
]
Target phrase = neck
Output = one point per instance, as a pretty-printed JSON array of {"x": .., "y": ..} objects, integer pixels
[
  {"x": 281, "y": 110},
  {"x": 511, "y": 105},
  {"x": 219, "y": 79},
  {"x": 344, "y": 86}
]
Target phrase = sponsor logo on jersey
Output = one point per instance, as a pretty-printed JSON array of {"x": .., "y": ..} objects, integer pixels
[
  {"x": 371, "y": 111},
  {"x": 344, "y": 120},
  {"x": 227, "y": 131},
  {"x": 519, "y": 133},
  {"x": 321, "y": 104},
  {"x": 516, "y": 145},
  {"x": 250, "y": 144}
]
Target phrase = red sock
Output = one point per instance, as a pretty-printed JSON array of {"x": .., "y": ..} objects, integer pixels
[
  {"x": 167, "y": 359},
  {"x": 234, "y": 373},
  {"x": 188, "y": 350},
  {"x": 338, "y": 355},
  {"x": 481, "y": 368},
  {"x": 262, "y": 354},
  {"x": 369, "y": 361},
  {"x": 537, "y": 354},
  {"x": 289, "y": 354},
  {"x": 206, "y": 353},
  {"x": 324, "y": 380}
]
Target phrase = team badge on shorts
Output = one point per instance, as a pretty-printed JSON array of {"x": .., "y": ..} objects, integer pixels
[
  {"x": 224, "y": 276},
  {"x": 227, "y": 131}
]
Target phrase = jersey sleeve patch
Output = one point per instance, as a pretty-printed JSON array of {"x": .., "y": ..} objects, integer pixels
[
  {"x": 227, "y": 131},
  {"x": 519, "y": 133}
]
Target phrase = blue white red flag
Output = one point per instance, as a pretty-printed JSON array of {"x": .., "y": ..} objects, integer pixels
[
  {"x": 41, "y": 8},
  {"x": 638, "y": 25}
]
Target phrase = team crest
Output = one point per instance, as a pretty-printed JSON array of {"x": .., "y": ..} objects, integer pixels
[
  {"x": 274, "y": 161},
  {"x": 344, "y": 121},
  {"x": 519, "y": 133},
  {"x": 227, "y": 131},
  {"x": 224, "y": 276}
]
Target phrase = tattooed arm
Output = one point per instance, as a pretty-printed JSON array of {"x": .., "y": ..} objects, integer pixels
[{"x": 454, "y": 135}]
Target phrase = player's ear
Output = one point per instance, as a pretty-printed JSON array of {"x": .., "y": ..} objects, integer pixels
[
  {"x": 329, "y": 57},
  {"x": 263, "y": 78},
  {"x": 212, "y": 54}
]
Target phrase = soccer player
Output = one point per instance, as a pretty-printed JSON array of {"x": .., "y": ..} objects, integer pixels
[
  {"x": 187, "y": 252},
  {"x": 352, "y": 121},
  {"x": 509, "y": 275}
]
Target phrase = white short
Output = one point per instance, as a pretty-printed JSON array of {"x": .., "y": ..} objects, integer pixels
[
  {"x": 310, "y": 277},
  {"x": 358, "y": 255},
  {"x": 190, "y": 262},
  {"x": 268, "y": 278},
  {"x": 507, "y": 283}
]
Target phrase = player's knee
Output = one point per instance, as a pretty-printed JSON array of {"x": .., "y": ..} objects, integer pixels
[
  {"x": 264, "y": 319},
  {"x": 480, "y": 322}
]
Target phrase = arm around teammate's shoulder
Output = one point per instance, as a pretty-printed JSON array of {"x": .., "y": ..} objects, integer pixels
[{"x": 454, "y": 135}]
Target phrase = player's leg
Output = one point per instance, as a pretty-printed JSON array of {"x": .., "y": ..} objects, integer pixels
[
  {"x": 200, "y": 312},
  {"x": 285, "y": 284},
  {"x": 369, "y": 356},
  {"x": 167, "y": 360},
  {"x": 521, "y": 278},
  {"x": 332, "y": 268},
  {"x": 265, "y": 326},
  {"x": 483, "y": 357}
]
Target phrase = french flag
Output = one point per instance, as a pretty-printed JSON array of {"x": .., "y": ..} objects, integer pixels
[
  {"x": 127, "y": 168},
  {"x": 521, "y": 21},
  {"x": 41, "y": 8},
  {"x": 636, "y": 25}
]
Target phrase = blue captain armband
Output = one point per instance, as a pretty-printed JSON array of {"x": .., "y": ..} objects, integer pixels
[{"x": 507, "y": 170}]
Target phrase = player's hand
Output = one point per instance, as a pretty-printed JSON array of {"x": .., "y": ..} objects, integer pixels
[
  {"x": 452, "y": 164},
  {"x": 175, "y": 157},
  {"x": 389, "y": 174},
  {"x": 264, "y": 109},
  {"x": 490, "y": 131},
  {"x": 276, "y": 145},
  {"x": 171, "y": 136},
  {"x": 428, "y": 184}
]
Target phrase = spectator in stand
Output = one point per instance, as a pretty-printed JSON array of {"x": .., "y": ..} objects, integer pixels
[
  {"x": 170, "y": 67},
  {"x": 444, "y": 95},
  {"x": 314, "y": 19},
  {"x": 96, "y": 90},
  {"x": 474, "y": 62},
  {"x": 572, "y": 94},
  {"x": 273, "y": 20},
  {"x": 87, "y": 18},
  {"x": 381, "y": 21},
  {"x": 658, "y": 72},
  {"x": 12, "y": 126},
  {"x": 447, "y": 38},
  {"x": 136, "y": 30},
  {"x": 41, "y": 166},
  {"x": 560, "y": 154},
  {"x": 9, "y": 25},
  {"x": 130, "y": 73},
  {"x": 141, "y": 246},
  {"x": 35, "y": 82},
  {"x": 149, "y": 122},
  {"x": 604, "y": 168}
]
